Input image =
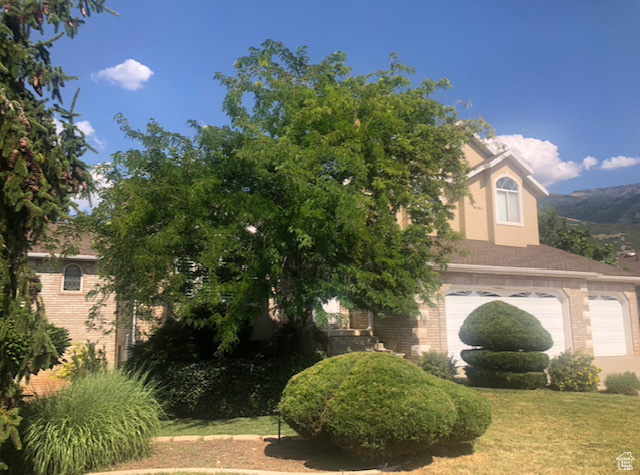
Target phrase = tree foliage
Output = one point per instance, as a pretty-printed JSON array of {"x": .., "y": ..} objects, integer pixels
[
  {"x": 294, "y": 203},
  {"x": 39, "y": 173},
  {"x": 556, "y": 232}
]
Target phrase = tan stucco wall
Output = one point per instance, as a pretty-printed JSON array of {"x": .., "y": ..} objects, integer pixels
[
  {"x": 71, "y": 309},
  {"x": 476, "y": 216}
]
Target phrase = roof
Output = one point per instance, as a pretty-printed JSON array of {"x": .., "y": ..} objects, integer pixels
[
  {"x": 82, "y": 242},
  {"x": 511, "y": 155},
  {"x": 486, "y": 257},
  {"x": 630, "y": 263}
]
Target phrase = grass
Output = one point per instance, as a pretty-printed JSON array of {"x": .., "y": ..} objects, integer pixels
[
  {"x": 101, "y": 419},
  {"x": 264, "y": 425},
  {"x": 551, "y": 432},
  {"x": 538, "y": 431}
]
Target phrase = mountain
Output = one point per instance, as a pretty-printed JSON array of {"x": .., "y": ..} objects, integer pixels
[
  {"x": 611, "y": 214},
  {"x": 620, "y": 204}
]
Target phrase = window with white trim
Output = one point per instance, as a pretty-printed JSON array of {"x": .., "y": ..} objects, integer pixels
[
  {"x": 72, "y": 278},
  {"x": 508, "y": 200}
]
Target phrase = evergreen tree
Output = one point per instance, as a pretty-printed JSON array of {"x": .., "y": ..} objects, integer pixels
[{"x": 39, "y": 174}]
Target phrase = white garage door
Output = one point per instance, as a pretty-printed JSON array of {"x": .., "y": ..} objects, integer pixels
[
  {"x": 607, "y": 326},
  {"x": 545, "y": 307}
]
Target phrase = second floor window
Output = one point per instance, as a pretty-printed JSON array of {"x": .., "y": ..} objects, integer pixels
[
  {"x": 72, "y": 278},
  {"x": 508, "y": 201}
]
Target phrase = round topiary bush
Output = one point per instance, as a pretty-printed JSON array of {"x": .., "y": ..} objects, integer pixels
[
  {"x": 381, "y": 407},
  {"x": 511, "y": 341},
  {"x": 489, "y": 378},
  {"x": 499, "y": 326},
  {"x": 515, "y": 361}
]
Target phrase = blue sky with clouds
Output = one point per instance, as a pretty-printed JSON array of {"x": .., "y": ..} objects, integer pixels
[{"x": 560, "y": 81}]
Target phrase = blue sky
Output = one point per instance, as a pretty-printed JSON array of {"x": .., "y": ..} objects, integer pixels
[{"x": 559, "y": 80}]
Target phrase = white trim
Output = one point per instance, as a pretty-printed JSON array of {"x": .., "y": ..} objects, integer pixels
[
  {"x": 487, "y": 269},
  {"x": 75, "y": 257}
]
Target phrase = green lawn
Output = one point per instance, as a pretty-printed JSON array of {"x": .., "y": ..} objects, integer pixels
[
  {"x": 550, "y": 432},
  {"x": 532, "y": 432},
  {"x": 265, "y": 425}
]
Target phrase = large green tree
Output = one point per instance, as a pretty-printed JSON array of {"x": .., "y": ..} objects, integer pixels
[
  {"x": 39, "y": 173},
  {"x": 557, "y": 232},
  {"x": 296, "y": 202}
]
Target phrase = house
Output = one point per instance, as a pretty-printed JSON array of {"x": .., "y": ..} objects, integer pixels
[
  {"x": 584, "y": 304},
  {"x": 66, "y": 282}
]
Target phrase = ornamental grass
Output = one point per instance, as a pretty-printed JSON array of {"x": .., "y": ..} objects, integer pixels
[{"x": 100, "y": 420}]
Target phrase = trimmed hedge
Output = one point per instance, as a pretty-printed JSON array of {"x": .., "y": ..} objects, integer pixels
[
  {"x": 488, "y": 378},
  {"x": 499, "y": 326},
  {"x": 381, "y": 407},
  {"x": 515, "y": 361},
  {"x": 227, "y": 388}
]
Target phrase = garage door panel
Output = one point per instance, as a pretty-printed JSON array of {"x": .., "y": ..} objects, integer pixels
[
  {"x": 548, "y": 309},
  {"x": 607, "y": 326}
]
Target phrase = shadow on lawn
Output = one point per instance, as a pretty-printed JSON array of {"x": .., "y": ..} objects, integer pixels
[{"x": 323, "y": 456}]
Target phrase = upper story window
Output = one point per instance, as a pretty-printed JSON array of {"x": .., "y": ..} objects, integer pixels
[
  {"x": 508, "y": 201},
  {"x": 72, "y": 279}
]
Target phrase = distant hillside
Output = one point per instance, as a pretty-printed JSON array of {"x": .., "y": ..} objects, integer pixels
[
  {"x": 611, "y": 214},
  {"x": 602, "y": 205}
]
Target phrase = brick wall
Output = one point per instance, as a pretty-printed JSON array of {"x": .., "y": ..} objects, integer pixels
[{"x": 70, "y": 309}]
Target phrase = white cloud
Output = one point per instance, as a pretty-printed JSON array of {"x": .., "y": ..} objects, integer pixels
[
  {"x": 614, "y": 163},
  {"x": 130, "y": 75},
  {"x": 543, "y": 158},
  {"x": 589, "y": 162},
  {"x": 86, "y": 127},
  {"x": 100, "y": 182}
]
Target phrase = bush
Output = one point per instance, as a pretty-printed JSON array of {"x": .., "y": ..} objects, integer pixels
[
  {"x": 499, "y": 326},
  {"x": 228, "y": 387},
  {"x": 100, "y": 420},
  {"x": 515, "y": 361},
  {"x": 438, "y": 364},
  {"x": 381, "y": 407},
  {"x": 622, "y": 383},
  {"x": 573, "y": 372},
  {"x": 510, "y": 341},
  {"x": 489, "y": 378},
  {"x": 83, "y": 359}
]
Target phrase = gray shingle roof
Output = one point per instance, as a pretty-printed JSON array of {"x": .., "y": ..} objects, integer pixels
[{"x": 530, "y": 257}]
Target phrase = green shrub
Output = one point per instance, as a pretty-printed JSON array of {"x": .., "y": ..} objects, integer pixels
[
  {"x": 573, "y": 372},
  {"x": 489, "y": 378},
  {"x": 438, "y": 364},
  {"x": 101, "y": 419},
  {"x": 380, "y": 407},
  {"x": 499, "y": 326},
  {"x": 59, "y": 337},
  {"x": 622, "y": 383},
  {"x": 228, "y": 387},
  {"x": 83, "y": 359},
  {"x": 515, "y": 361}
]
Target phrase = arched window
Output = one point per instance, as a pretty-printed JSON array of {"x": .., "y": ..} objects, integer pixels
[
  {"x": 72, "y": 278},
  {"x": 508, "y": 201}
]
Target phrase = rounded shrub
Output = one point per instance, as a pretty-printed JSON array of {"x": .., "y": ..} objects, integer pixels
[
  {"x": 514, "y": 361},
  {"x": 489, "y": 378},
  {"x": 438, "y": 364},
  {"x": 573, "y": 372},
  {"x": 499, "y": 326},
  {"x": 381, "y": 407},
  {"x": 622, "y": 383},
  {"x": 100, "y": 420}
]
